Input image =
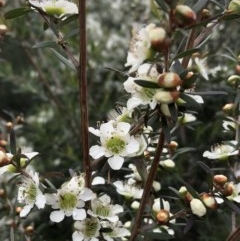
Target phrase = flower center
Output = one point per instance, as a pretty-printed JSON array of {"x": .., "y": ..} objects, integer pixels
[
  {"x": 115, "y": 145},
  {"x": 149, "y": 92},
  {"x": 68, "y": 201},
  {"x": 53, "y": 10},
  {"x": 31, "y": 193},
  {"x": 91, "y": 228},
  {"x": 103, "y": 211}
]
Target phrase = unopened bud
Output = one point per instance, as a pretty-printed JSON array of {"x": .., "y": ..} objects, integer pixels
[
  {"x": 4, "y": 159},
  {"x": 234, "y": 7},
  {"x": 29, "y": 230},
  {"x": 197, "y": 207},
  {"x": 173, "y": 145},
  {"x": 184, "y": 16},
  {"x": 158, "y": 38},
  {"x": 234, "y": 80},
  {"x": 237, "y": 69},
  {"x": 18, "y": 210},
  {"x": 167, "y": 97},
  {"x": 184, "y": 194},
  {"x": 3, "y": 143},
  {"x": 205, "y": 14},
  {"x": 19, "y": 120},
  {"x": 156, "y": 186},
  {"x": 2, "y": 193},
  {"x": 9, "y": 126},
  {"x": 163, "y": 216},
  {"x": 2, "y": 3},
  {"x": 167, "y": 164},
  {"x": 229, "y": 109},
  {"x": 169, "y": 80},
  {"x": 135, "y": 205},
  {"x": 220, "y": 179},
  {"x": 209, "y": 200},
  {"x": 3, "y": 29},
  {"x": 228, "y": 189}
]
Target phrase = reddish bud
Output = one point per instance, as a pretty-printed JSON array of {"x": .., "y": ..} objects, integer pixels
[
  {"x": 209, "y": 200},
  {"x": 229, "y": 109},
  {"x": 4, "y": 159},
  {"x": 220, "y": 179},
  {"x": 3, "y": 29},
  {"x": 163, "y": 216},
  {"x": 159, "y": 39},
  {"x": 184, "y": 16},
  {"x": 228, "y": 189},
  {"x": 167, "y": 97},
  {"x": 169, "y": 80}
]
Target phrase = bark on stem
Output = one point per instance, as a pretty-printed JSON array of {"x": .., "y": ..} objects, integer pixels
[
  {"x": 147, "y": 187},
  {"x": 82, "y": 83}
]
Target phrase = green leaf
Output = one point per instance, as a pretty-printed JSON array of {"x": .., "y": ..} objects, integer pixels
[
  {"x": 200, "y": 5},
  {"x": 186, "y": 53},
  {"x": 190, "y": 102},
  {"x": 175, "y": 191},
  {"x": 157, "y": 236},
  {"x": 183, "y": 150},
  {"x": 63, "y": 59},
  {"x": 162, "y": 5},
  {"x": 71, "y": 33},
  {"x": 44, "y": 44},
  {"x": 68, "y": 20},
  {"x": 230, "y": 16},
  {"x": 205, "y": 167},
  {"x": 166, "y": 129},
  {"x": 147, "y": 84},
  {"x": 189, "y": 188},
  {"x": 173, "y": 112},
  {"x": 13, "y": 146},
  {"x": 17, "y": 12},
  {"x": 230, "y": 204}
]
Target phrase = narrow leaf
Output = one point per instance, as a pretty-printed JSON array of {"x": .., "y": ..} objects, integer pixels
[
  {"x": 174, "y": 190},
  {"x": 189, "y": 224},
  {"x": 71, "y": 33},
  {"x": 17, "y": 12},
  {"x": 68, "y": 20},
  {"x": 13, "y": 146},
  {"x": 199, "y": 5},
  {"x": 166, "y": 129},
  {"x": 186, "y": 53},
  {"x": 162, "y": 5},
  {"x": 231, "y": 16},
  {"x": 230, "y": 204},
  {"x": 173, "y": 112},
  {"x": 205, "y": 167},
  {"x": 63, "y": 60},
  {"x": 44, "y": 44},
  {"x": 190, "y": 102},
  {"x": 147, "y": 84},
  {"x": 157, "y": 236}
]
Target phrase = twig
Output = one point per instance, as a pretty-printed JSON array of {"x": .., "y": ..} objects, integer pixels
[
  {"x": 147, "y": 187},
  {"x": 82, "y": 81}
]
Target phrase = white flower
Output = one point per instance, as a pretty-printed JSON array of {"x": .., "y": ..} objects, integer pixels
[
  {"x": 229, "y": 124},
  {"x": 56, "y": 7},
  {"x": 121, "y": 114},
  {"x": 222, "y": 151},
  {"x": 87, "y": 230},
  {"x": 198, "y": 207},
  {"x": 127, "y": 190},
  {"x": 140, "y": 48},
  {"x": 117, "y": 231},
  {"x": 69, "y": 200},
  {"x": 160, "y": 204},
  {"x": 139, "y": 94},
  {"x": 102, "y": 208},
  {"x": 116, "y": 143},
  {"x": 30, "y": 194}
]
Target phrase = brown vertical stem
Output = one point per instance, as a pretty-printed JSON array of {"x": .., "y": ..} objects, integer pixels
[
  {"x": 147, "y": 188},
  {"x": 82, "y": 82}
]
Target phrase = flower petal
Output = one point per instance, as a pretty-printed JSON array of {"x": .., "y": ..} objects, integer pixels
[
  {"x": 57, "y": 216},
  {"x": 25, "y": 210},
  {"x": 115, "y": 162},
  {"x": 97, "y": 151},
  {"x": 132, "y": 146},
  {"x": 77, "y": 236},
  {"x": 40, "y": 200},
  {"x": 79, "y": 214}
]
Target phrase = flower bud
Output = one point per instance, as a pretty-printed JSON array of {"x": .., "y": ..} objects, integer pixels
[
  {"x": 205, "y": 14},
  {"x": 3, "y": 29},
  {"x": 220, "y": 179},
  {"x": 166, "y": 97},
  {"x": 229, "y": 109},
  {"x": 234, "y": 7},
  {"x": 167, "y": 164},
  {"x": 135, "y": 205},
  {"x": 184, "y": 194},
  {"x": 158, "y": 38},
  {"x": 156, "y": 186},
  {"x": 234, "y": 79},
  {"x": 209, "y": 200},
  {"x": 4, "y": 159},
  {"x": 2, "y": 193},
  {"x": 169, "y": 80},
  {"x": 237, "y": 68},
  {"x": 18, "y": 210},
  {"x": 173, "y": 145},
  {"x": 2, "y": 3},
  {"x": 9, "y": 126},
  {"x": 228, "y": 189},
  {"x": 198, "y": 207},
  {"x": 184, "y": 16},
  {"x": 163, "y": 216},
  {"x": 3, "y": 143},
  {"x": 29, "y": 230}
]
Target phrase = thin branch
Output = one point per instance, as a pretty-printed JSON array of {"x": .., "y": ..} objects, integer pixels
[
  {"x": 147, "y": 187},
  {"x": 82, "y": 81}
]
